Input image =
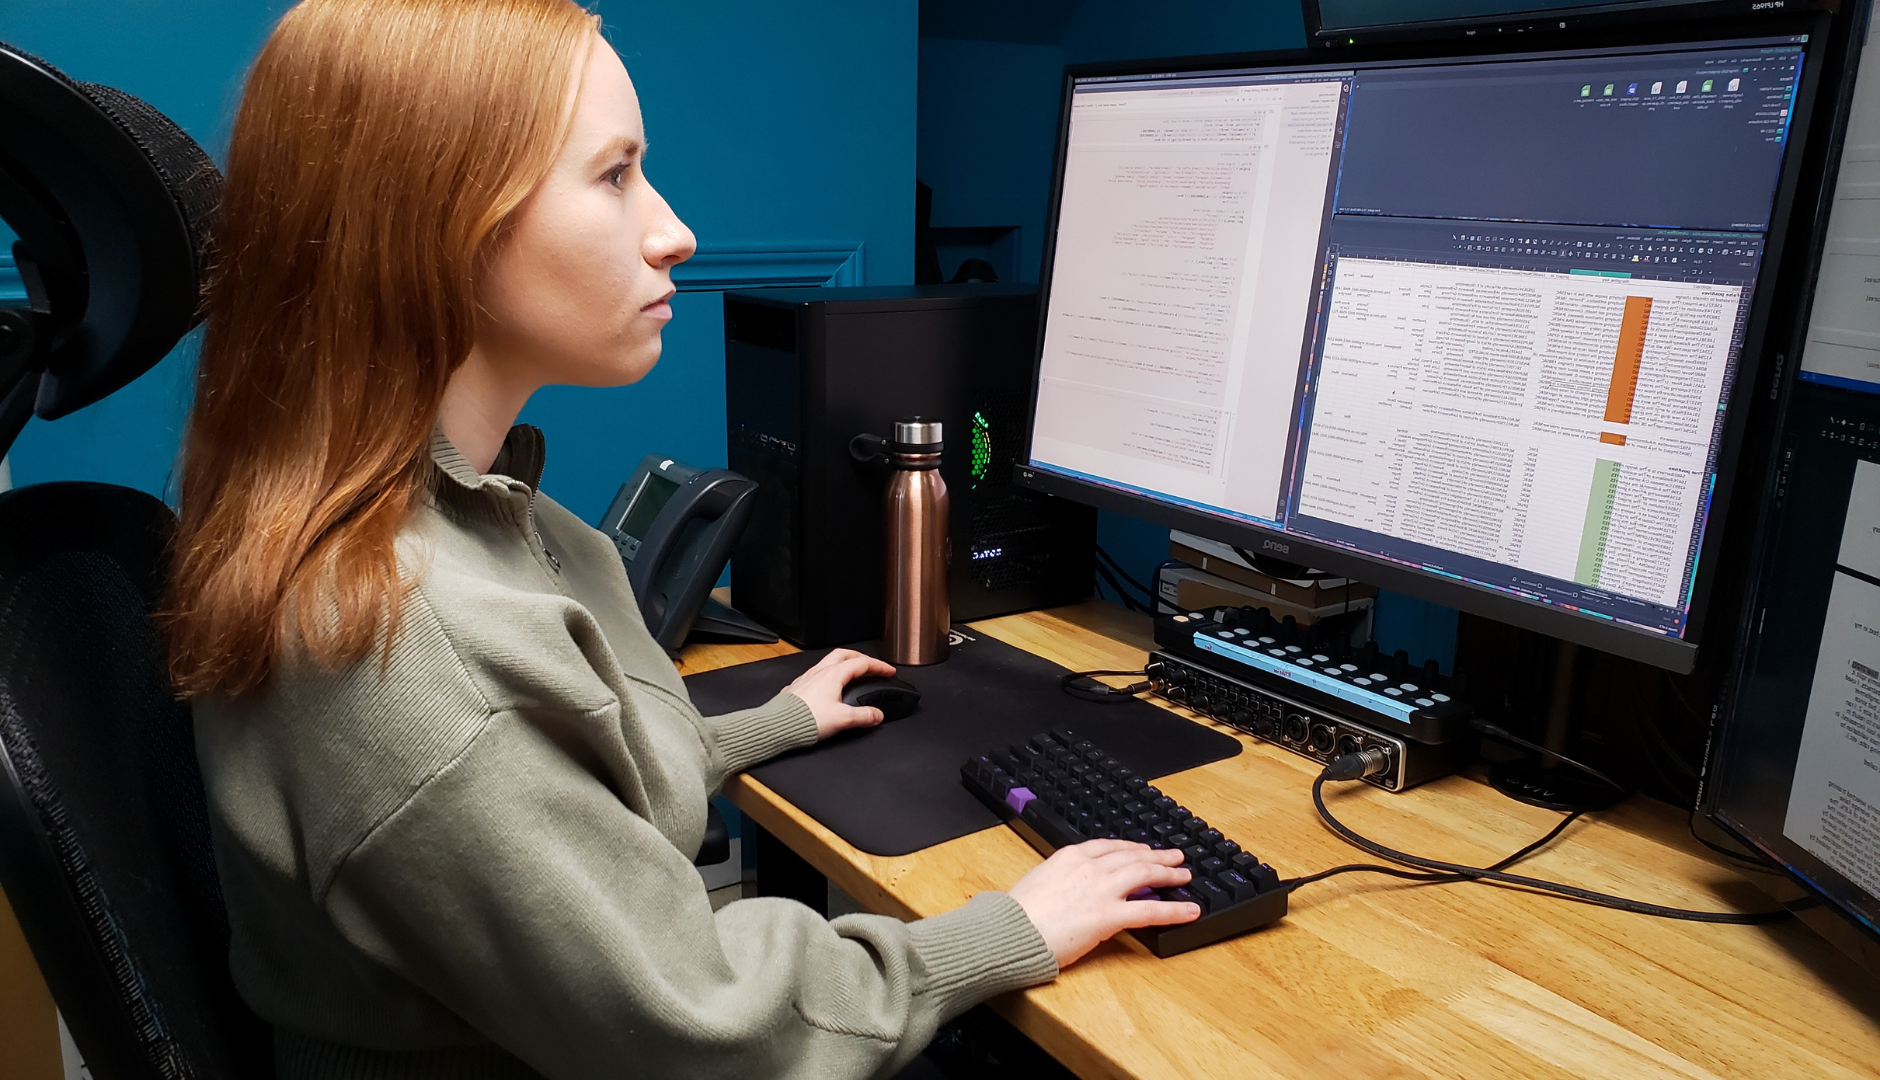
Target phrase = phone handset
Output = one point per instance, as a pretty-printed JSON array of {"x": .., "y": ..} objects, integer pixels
[{"x": 674, "y": 526}]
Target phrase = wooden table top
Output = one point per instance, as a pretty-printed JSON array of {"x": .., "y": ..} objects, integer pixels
[{"x": 1371, "y": 977}]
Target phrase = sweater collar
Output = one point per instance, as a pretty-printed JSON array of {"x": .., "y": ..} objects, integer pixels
[{"x": 522, "y": 458}]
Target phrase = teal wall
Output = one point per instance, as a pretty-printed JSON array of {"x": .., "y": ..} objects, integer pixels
[
  {"x": 990, "y": 82},
  {"x": 776, "y": 124},
  {"x": 988, "y": 136},
  {"x": 771, "y": 125}
]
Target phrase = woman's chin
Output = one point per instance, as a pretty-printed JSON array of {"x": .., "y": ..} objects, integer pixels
[{"x": 629, "y": 369}]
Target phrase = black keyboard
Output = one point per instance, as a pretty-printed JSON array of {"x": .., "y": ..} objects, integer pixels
[{"x": 1058, "y": 788}]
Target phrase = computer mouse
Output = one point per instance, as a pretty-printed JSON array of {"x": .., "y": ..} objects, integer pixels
[{"x": 892, "y": 696}]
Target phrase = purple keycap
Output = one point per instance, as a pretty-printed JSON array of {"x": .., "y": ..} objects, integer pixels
[
  {"x": 1019, "y": 798},
  {"x": 1144, "y": 893}
]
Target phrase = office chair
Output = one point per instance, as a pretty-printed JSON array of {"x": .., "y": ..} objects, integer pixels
[
  {"x": 104, "y": 830},
  {"x": 104, "y": 833},
  {"x": 112, "y": 204}
]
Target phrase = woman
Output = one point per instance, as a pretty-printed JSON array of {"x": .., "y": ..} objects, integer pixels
[{"x": 455, "y": 786}]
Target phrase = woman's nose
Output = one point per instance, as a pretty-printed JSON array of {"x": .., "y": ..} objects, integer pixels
[{"x": 668, "y": 242}]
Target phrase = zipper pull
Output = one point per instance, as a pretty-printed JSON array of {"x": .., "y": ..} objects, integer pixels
[{"x": 552, "y": 560}]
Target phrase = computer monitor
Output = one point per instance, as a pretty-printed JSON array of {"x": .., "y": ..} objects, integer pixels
[
  {"x": 1354, "y": 22},
  {"x": 1467, "y": 325},
  {"x": 1795, "y": 771}
]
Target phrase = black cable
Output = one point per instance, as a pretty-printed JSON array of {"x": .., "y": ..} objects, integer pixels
[
  {"x": 1373, "y": 868},
  {"x": 1081, "y": 685},
  {"x": 1352, "y": 766},
  {"x": 1123, "y": 574},
  {"x": 1367, "y": 868},
  {"x": 1742, "y": 861},
  {"x": 1129, "y": 602},
  {"x": 1494, "y": 731},
  {"x": 1552, "y": 835}
]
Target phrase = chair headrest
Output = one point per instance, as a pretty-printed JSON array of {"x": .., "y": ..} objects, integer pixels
[{"x": 113, "y": 205}]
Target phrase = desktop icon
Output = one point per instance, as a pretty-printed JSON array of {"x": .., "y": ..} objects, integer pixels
[
  {"x": 1631, "y": 88},
  {"x": 1658, "y": 88},
  {"x": 1734, "y": 83},
  {"x": 1608, "y": 91},
  {"x": 1707, "y": 84},
  {"x": 1683, "y": 86},
  {"x": 1587, "y": 90}
]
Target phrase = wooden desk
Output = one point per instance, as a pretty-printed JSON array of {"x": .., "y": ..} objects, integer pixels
[{"x": 1373, "y": 978}]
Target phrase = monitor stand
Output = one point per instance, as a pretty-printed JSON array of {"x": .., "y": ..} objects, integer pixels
[
  {"x": 717, "y": 622},
  {"x": 1542, "y": 781}
]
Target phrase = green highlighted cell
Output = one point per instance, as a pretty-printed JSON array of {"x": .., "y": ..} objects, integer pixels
[{"x": 1598, "y": 522}]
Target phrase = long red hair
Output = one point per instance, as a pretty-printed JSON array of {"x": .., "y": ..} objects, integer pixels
[{"x": 379, "y": 147}]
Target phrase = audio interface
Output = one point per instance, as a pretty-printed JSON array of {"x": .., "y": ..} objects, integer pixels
[{"x": 1310, "y": 730}]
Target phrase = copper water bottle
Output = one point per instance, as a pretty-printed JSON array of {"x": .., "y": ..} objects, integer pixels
[{"x": 918, "y": 546}]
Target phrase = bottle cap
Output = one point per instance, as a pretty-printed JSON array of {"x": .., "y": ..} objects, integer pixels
[{"x": 917, "y": 435}]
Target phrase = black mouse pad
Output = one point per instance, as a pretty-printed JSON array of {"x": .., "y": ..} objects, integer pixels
[{"x": 895, "y": 789}]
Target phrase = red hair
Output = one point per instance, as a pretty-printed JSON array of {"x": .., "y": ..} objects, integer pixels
[{"x": 379, "y": 147}]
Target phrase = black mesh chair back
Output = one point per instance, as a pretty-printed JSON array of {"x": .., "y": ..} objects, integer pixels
[{"x": 104, "y": 833}]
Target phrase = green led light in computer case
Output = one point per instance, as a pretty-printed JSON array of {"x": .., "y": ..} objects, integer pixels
[{"x": 982, "y": 447}]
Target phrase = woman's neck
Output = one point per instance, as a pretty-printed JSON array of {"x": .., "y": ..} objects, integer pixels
[{"x": 480, "y": 406}]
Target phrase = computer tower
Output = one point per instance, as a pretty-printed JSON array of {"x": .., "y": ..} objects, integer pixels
[{"x": 807, "y": 370}]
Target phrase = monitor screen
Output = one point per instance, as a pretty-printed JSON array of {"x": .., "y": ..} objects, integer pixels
[
  {"x": 1796, "y": 770},
  {"x": 1333, "y": 16},
  {"x": 1478, "y": 318}
]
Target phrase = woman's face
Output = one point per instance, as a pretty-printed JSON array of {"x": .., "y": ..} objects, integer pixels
[{"x": 577, "y": 290}]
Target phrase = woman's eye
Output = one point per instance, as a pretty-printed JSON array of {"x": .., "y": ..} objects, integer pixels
[{"x": 617, "y": 174}]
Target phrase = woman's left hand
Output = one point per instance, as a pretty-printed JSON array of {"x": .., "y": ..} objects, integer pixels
[{"x": 821, "y": 689}]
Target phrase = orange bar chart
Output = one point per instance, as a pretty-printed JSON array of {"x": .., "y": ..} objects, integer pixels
[{"x": 1625, "y": 365}]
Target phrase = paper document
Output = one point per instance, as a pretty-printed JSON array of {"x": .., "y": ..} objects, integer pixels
[
  {"x": 1834, "y": 804},
  {"x": 1860, "y": 534}
]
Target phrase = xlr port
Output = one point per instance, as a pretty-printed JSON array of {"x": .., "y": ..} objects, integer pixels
[{"x": 1321, "y": 739}]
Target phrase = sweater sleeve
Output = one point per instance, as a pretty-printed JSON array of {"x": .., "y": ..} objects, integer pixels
[
  {"x": 524, "y": 895},
  {"x": 742, "y": 739}
]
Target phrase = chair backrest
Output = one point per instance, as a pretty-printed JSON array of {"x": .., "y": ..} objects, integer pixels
[{"x": 104, "y": 832}]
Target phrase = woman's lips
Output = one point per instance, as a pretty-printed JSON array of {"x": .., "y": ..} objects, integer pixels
[{"x": 660, "y": 308}]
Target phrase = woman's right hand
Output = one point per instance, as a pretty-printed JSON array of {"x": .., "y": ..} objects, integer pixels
[
  {"x": 821, "y": 689},
  {"x": 1078, "y": 897}
]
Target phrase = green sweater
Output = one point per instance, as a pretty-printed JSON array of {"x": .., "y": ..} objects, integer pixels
[{"x": 476, "y": 860}]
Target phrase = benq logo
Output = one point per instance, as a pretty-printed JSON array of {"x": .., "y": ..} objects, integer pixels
[{"x": 1275, "y": 545}]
